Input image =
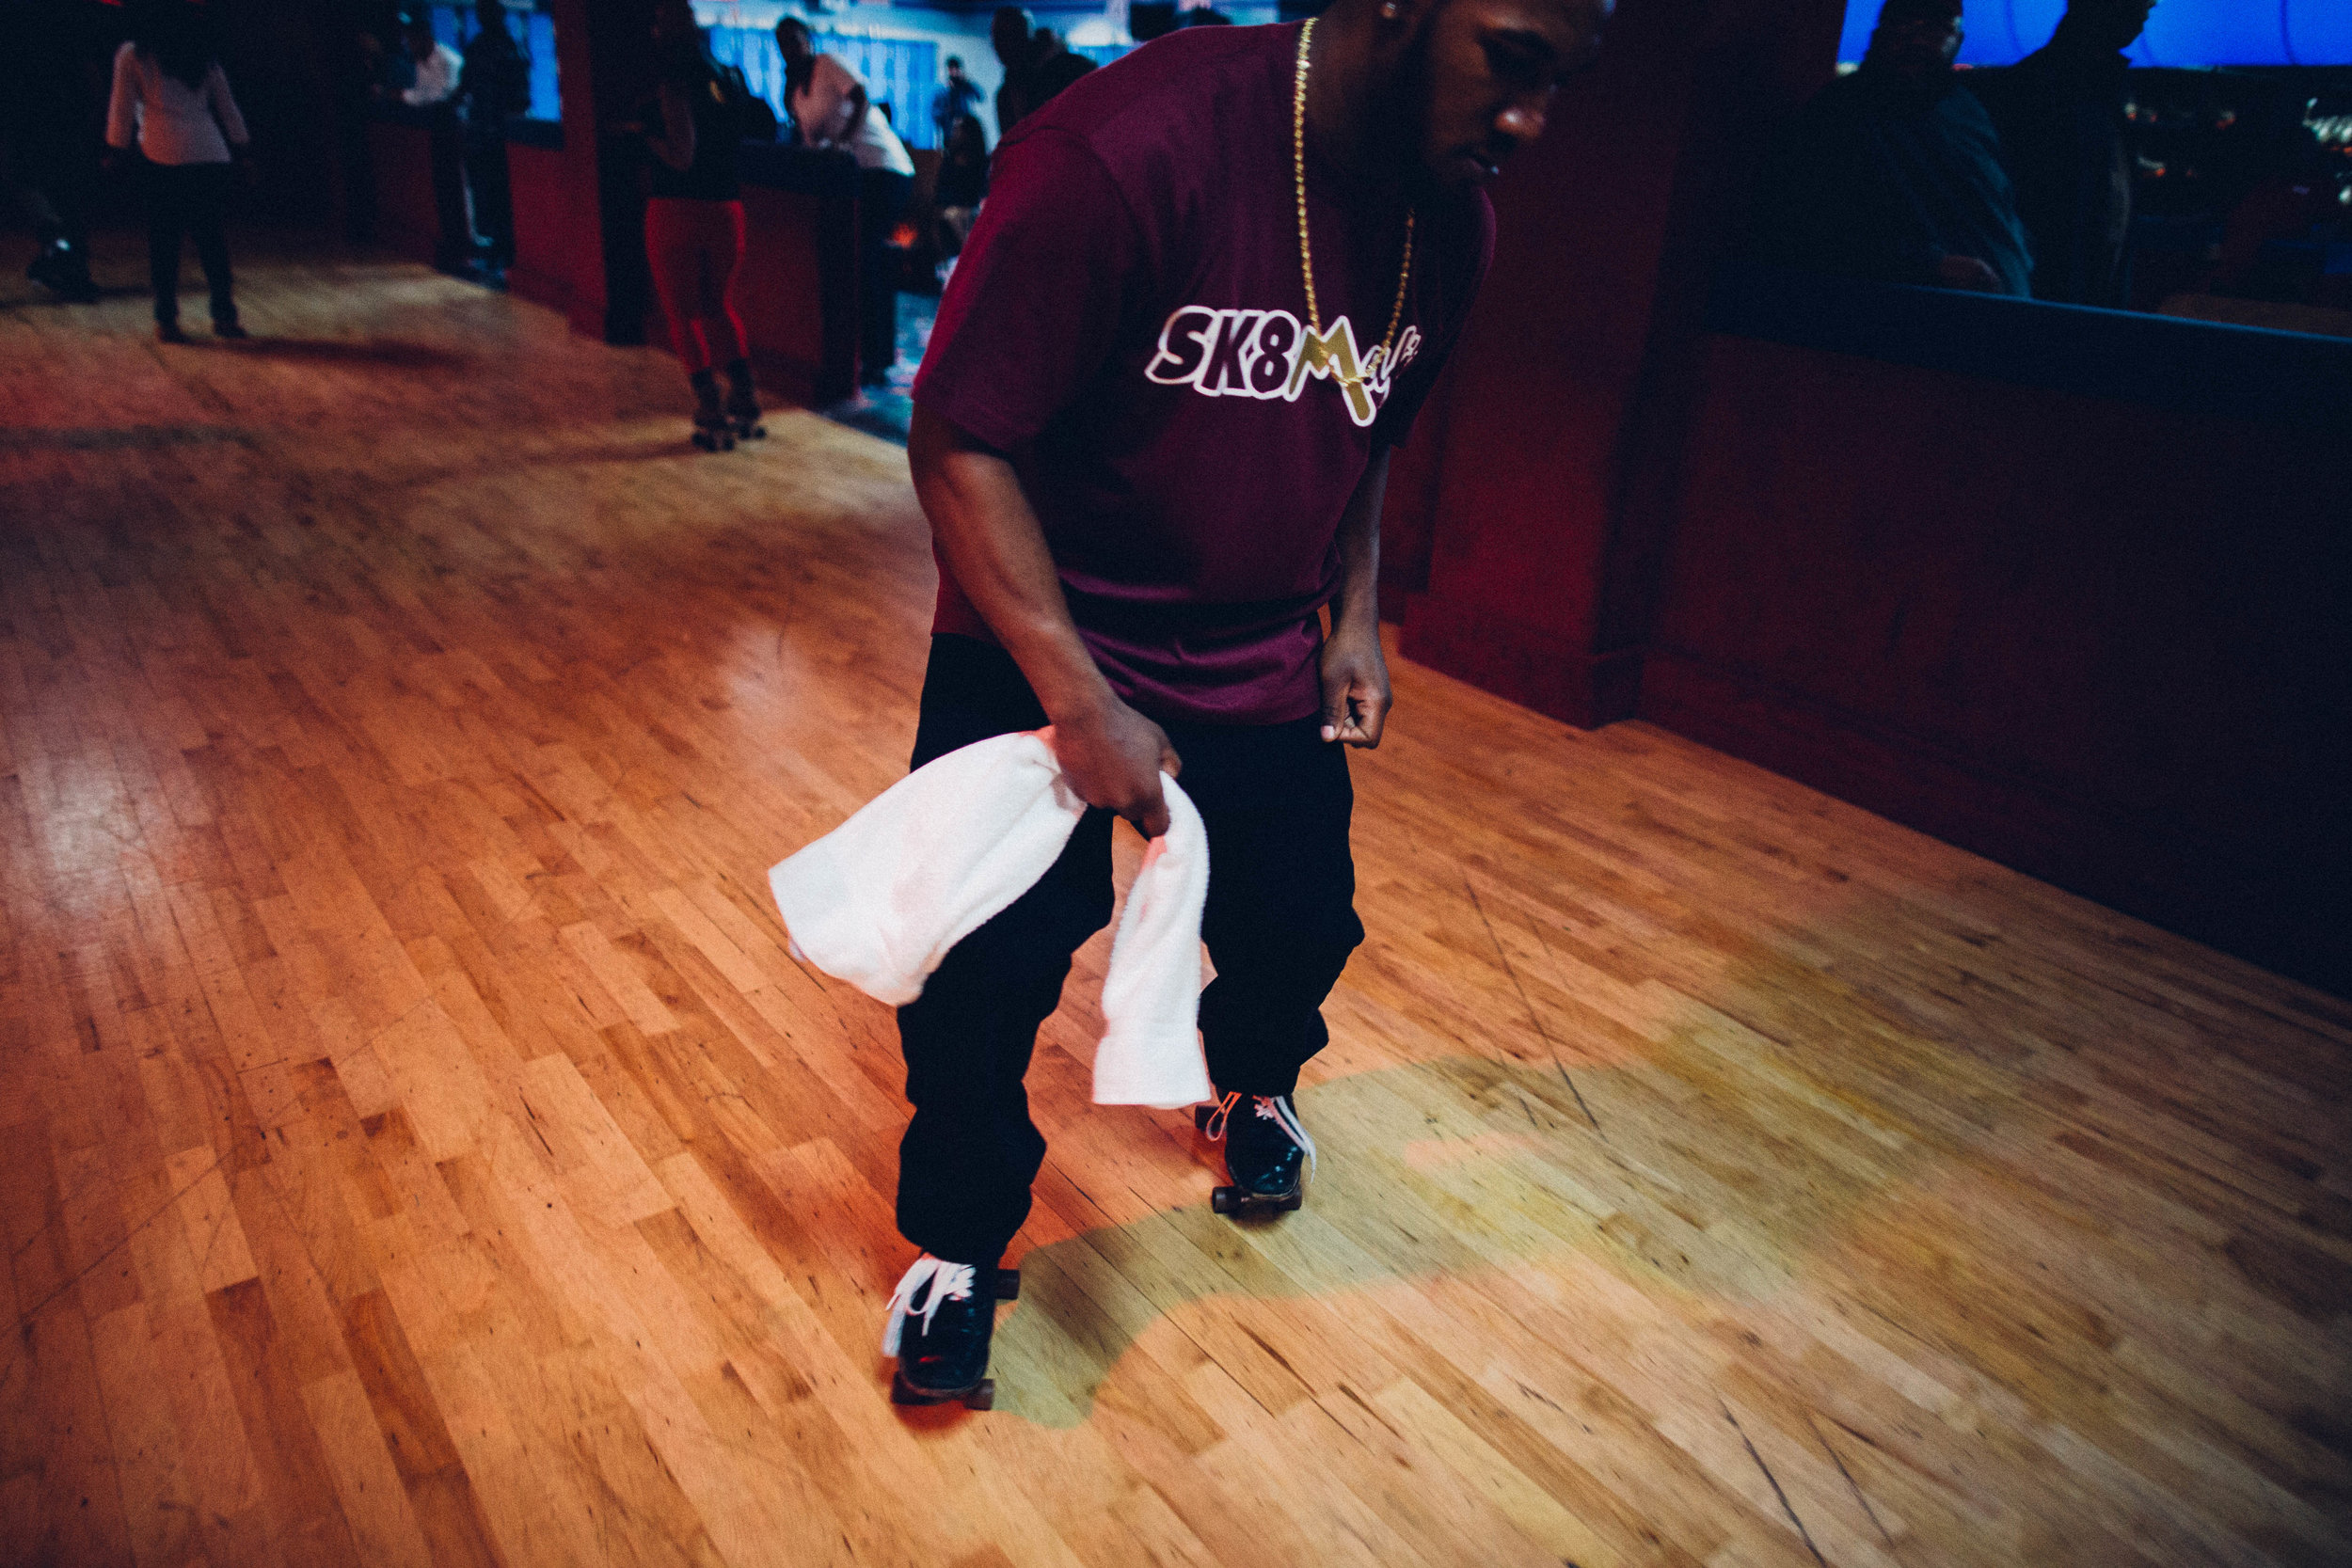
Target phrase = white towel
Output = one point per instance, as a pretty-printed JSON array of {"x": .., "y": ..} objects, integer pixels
[{"x": 880, "y": 899}]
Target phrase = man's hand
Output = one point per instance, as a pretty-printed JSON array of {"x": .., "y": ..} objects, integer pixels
[
  {"x": 1355, "y": 687},
  {"x": 1111, "y": 754},
  {"x": 1113, "y": 757},
  {"x": 1967, "y": 272}
]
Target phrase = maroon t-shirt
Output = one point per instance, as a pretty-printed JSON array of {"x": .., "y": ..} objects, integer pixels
[{"x": 1128, "y": 324}]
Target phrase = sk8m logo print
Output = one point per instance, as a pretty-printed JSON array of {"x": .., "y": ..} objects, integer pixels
[{"x": 1271, "y": 354}]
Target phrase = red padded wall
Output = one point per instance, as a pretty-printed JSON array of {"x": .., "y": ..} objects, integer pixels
[
  {"x": 549, "y": 227},
  {"x": 400, "y": 160},
  {"x": 2099, "y": 642},
  {"x": 797, "y": 292},
  {"x": 1524, "y": 492}
]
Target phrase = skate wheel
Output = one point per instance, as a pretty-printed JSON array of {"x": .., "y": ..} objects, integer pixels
[
  {"x": 1008, "y": 1284},
  {"x": 1225, "y": 1201},
  {"x": 980, "y": 1396}
]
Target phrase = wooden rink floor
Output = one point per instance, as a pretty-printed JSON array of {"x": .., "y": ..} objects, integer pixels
[{"x": 417, "y": 1145}]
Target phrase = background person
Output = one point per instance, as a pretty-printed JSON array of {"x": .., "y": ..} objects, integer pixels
[
  {"x": 2066, "y": 146},
  {"x": 830, "y": 105},
  {"x": 435, "y": 66},
  {"x": 1036, "y": 65},
  {"x": 434, "y": 72},
  {"x": 963, "y": 182},
  {"x": 171, "y": 97},
  {"x": 385, "y": 73},
  {"x": 960, "y": 97},
  {"x": 493, "y": 86},
  {"x": 694, "y": 225},
  {"x": 50, "y": 110},
  {"x": 1894, "y": 172}
]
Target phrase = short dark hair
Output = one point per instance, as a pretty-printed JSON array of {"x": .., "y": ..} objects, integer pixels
[
  {"x": 955, "y": 62},
  {"x": 1919, "y": 10}
]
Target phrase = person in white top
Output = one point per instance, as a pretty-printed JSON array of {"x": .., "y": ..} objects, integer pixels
[
  {"x": 171, "y": 97},
  {"x": 437, "y": 73},
  {"x": 830, "y": 105},
  {"x": 438, "y": 68}
]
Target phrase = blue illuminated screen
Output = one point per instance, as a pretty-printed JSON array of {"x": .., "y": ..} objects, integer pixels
[{"x": 2179, "y": 33}]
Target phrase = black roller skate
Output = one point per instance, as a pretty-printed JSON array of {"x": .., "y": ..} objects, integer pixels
[
  {"x": 1268, "y": 1151},
  {"x": 945, "y": 1362},
  {"x": 743, "y": 403},
  {"x": 713, "y": 430},
  {"x": 62, "y": 267}
]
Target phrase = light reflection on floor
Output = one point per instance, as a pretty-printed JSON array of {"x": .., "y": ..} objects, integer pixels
[{"x": 885, "y": 411}]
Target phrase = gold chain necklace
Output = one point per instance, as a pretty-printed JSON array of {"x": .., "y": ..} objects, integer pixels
[{"x": 1306, "y": 249}]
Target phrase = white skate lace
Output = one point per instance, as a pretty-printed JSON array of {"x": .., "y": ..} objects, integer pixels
[
  {"x": 948, "y": 1282},
  {"x": 1276, "y": 1108}
]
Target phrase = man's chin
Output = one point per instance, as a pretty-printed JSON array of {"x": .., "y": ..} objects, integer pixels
[{"x": 1460, "y": 170}]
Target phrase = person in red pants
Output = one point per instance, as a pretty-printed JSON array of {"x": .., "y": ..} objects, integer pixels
[{"x": 694, "y": 227}]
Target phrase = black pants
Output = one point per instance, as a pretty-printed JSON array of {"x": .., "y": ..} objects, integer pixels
[
  {"x": 493, "y": 194},
  {"x": 453, "y": 246},
  {"x": 1281, "y": 923},
  {"x": 881, "y": 196},
  {"x": 191, "y": 200}
]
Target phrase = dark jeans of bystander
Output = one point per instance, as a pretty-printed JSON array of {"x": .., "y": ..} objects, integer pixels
[
  {"x": 190, "y": 199},
  {"x": 882, "y": 198}
]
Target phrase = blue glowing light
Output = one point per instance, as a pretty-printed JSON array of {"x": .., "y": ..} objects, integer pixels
[{"x": 2180, "y": 32}]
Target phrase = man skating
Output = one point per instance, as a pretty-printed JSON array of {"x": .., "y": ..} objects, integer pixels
[{"x": 1210, "y": 288}]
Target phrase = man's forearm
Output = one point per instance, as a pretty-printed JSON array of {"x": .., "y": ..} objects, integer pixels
[
  {"x": 997, "y": 549},
  {"x": 1358, "y": 604}
]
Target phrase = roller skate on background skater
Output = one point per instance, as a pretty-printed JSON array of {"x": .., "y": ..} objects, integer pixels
[
  {"x": 693, "y": 129},
  {"x": 940, "y": 1328},
  {"x": 1267, "y": 1152},
  {"x": 63, "y": 268},
  {"x": 713, "y": 430},
  {"x": 743, "y": 403}
]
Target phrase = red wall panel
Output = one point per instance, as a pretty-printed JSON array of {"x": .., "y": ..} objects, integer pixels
[
  {"x": 401, "y": 159},
  {"x": 1539, "y": 550},
  {"x": 797, "y": 292},
  {"x": 2100, "y": 642},
  {"x": 554, "y": 228}
]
